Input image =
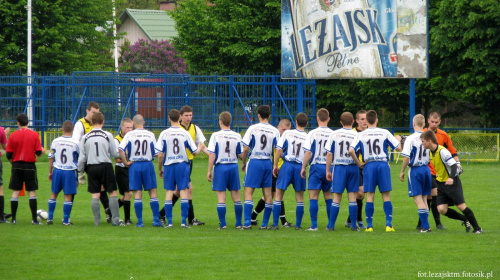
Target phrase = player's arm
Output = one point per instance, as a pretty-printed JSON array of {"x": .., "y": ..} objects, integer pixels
[
  {"x": 355, "y": 158},
  {"x": 244, "y": 156},
  {"x": 211, "y": 160},
  {"x": 123, "y": 158},
  {"x": 277, "y": 156},
  {"x": 305, "y": 161},
  {"x": 160, "y": 164},
  {"x": 329, "y": 159},
  {"x": 51, "y": 163},
  {"x": 406, "y": 161}
]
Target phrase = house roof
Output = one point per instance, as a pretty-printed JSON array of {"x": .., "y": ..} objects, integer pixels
[{"x": 156, "y": 24}]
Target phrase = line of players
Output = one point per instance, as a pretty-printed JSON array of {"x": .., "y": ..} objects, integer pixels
[{"x": 321, "y": 147}]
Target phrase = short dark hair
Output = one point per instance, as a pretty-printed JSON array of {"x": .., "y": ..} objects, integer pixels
[
  {"x": 22, "y": 119},
  {"x": 323, "y": 114},
  {"x": 91, "y": 105},
  {"x": 301, "y": 119},
  {"x": 371, "y": 116},
  {"x": 264, "y": 111},
  {"x": 226, "y": 118},
  {"x": 429, "y": 135},
  {"x": 347, "y": 118},
  {"x": 67, "y": 126},
  {"x": 359, "y": 113},
  {"x": 186, "y": 109},
  {"x": 434, "y": 115},
  {"x": 98, "y": 118},
  {"x": 174, "y": 115}
]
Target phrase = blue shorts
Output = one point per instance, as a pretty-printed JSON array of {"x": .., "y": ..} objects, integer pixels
[
  {"x": 259, "y": 174},
  {"x": 377, "y": 173},
  {"x": 419, "y": 181},
  {"x": 317, "y": 178},
  {"x": 346, "y": 177},
  {"x": 142, "y": 173},
  {"x": 64, "y": 180},
  {"x": 226, "y": 176},
  {"x": 176, "y": 176},
  {"x": 290, "y": 174}
]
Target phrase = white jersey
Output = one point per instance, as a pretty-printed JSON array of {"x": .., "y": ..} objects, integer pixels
[
  {"x": 291, "y": 143},
  {"x": 139, "y": 145},
  {"x": 413, "y": 149},
  {"x": 261, "y": 138},
  {"x": 65, "y": 151},
  {"x": 316, "y": 143},
  {"x": 226, "y": 145},
  {"x": 173, "y": 143},
  {"x": 78, "y": 131},
  {"x": 338, "y": 144},
  {"x": 373, "y": 142}
]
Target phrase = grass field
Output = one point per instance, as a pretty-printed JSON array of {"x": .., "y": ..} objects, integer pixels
[{"x": 87, "y": 252}]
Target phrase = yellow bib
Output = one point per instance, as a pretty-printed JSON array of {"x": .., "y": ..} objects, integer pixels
[
  {"x": 86, "y": 125},
  {"x": 192, "y": 131},
  {"x": 437, "y": 161}
]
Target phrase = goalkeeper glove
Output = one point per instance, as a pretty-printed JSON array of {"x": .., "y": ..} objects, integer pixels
[{"x": 460, "y": 170}]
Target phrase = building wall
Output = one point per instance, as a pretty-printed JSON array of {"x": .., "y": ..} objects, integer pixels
[{"x": 133, "y": 32}]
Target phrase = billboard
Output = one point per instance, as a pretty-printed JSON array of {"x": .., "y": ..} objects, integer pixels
[{"x": 345, "y": 39}]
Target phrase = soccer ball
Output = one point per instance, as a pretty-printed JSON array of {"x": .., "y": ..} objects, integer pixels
[{"x": 42, "y": 214}]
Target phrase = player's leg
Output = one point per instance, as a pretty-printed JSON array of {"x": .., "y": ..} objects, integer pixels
[
  {"x": 221, "y": 208},
  {"x": 268, "y": 197},
  {"x": 386, "y": 197},
  {"x": 16, "y": 185},
  {"x": 471, "y": 218},
  {"x": 2, "y": 202},
  {"x": 433, "y": 205},
  {"x": 258, "y": 209},
  {"x": 327, "y": 194},
  {"x": 353, "y": 210},
  {"x": 148, "y": 179},
  {"x": 138, "y": 207},
  {"x": 423, "y": 211},
  {"x": 360, "y": 195},
  {"x": 168, "y": 205},
  {"x": 105, "y": 204},
  {"x": 109, "y": 182},
  {"x": 184, "y": 206},
  {"x": 52, "y": 207},
  {"x": 313, "y": 207},
  {"x": 238, "y": 207},
  {"x": 247, "y": 210},
  {"x": 369, "y": 210},
  {"x": 334, "y": 211},
  {"x": 278, "y": 199},
  {"x": 299, "y": 210},
  {"x": 459, "y": 201},
  {"x": 67, "y": 207},
  {"x": 446, "y": 196},
  {"x": 155, "y": 206}
]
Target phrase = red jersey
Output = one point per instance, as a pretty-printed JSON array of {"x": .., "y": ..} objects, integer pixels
[
  {"x": 23, "y": 143},
  {"x": 444, "y": 140}
]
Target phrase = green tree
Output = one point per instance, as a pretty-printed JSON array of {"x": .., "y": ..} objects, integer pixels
[
  {"x": 121, "y": 5},
  {"x": 229, "y": 36},
  {"x": 66, "y": 36}
]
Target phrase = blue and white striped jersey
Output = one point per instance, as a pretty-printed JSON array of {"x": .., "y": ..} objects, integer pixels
[
  {"x": 139, "y": 145},
  {"x": 226, "y": 145},
  {"x": 261, "y": 138},
  {"x": 316, "y": 143},
  {"x": 291, "y": 143},
  {"x": 173, "y": 143},
  {"x": 413, "y": 149},
  {"x": 338, "y": 144},
  {"x": 373, "y": 143},
  {"x": 65, "y": 151}
]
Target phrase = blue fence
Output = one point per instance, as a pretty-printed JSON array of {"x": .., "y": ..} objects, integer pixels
[{"x": 59, "y": 98}]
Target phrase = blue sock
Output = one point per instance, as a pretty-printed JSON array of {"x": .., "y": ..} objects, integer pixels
[
  {"x": 52, "y": 208},
  {"x": 267, "y": 214},
  {"x": 423, "y": 214},
  {"x": 313, "y": 211},
  {"x": 67, "y": 211},
  {"x": 155, "y": 208},
  {"x": 221, "y": 211},
  {"x": 369, "y": 209},
  {"x": 299, "y": 213},
  {"x": 328, "y": 207},
  {"x": 247, "y": 211},
  {"x": 184, "y": 210},
  {"x": 334, "y": 213},
  {"x": 238, "y": 210},
  {"x": 168, "y": 211},
  {"x": 276, "y": 212},
  {"x": 353, "y": 213},
  {"x": 388, "y": 213},
  {"x": 138, "y": 210}
]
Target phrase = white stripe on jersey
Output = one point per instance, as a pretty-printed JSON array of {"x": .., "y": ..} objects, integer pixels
[
  {"x": 226, "y": 145},
  {"x": 139, "y": 144},
  {"x": 261, "y": 138},
  {"x": 373, "y": 143},
  {"x": 65, "y": 151},
  {"x": 316, "y": 142},
  {"x": 173, "y": 143},
  {"x": 291, "y": 143},
  {"x": 413, "y": 149},
  {"x": 338, "y": 144}
]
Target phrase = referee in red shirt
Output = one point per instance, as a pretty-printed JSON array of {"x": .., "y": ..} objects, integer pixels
[{"x": 22, "y": 147}]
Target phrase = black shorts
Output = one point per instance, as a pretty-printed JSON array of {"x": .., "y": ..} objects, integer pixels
[
  {"x": 434, "y": 182},
  {"x": 273, "y": 186},
  {"x": 101, "y": 174},
  {"x": 360, "y": 176},
  {"x": 23, "y": 172},
  {"x": 451, "y": 195},
  {"x": 121, "y": 175}
]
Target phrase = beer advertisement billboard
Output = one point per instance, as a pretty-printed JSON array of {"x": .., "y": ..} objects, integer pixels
[{"x": 346, "y": 39}]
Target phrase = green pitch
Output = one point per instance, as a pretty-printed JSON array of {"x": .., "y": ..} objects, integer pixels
[{"x": 105, "y": 252}]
